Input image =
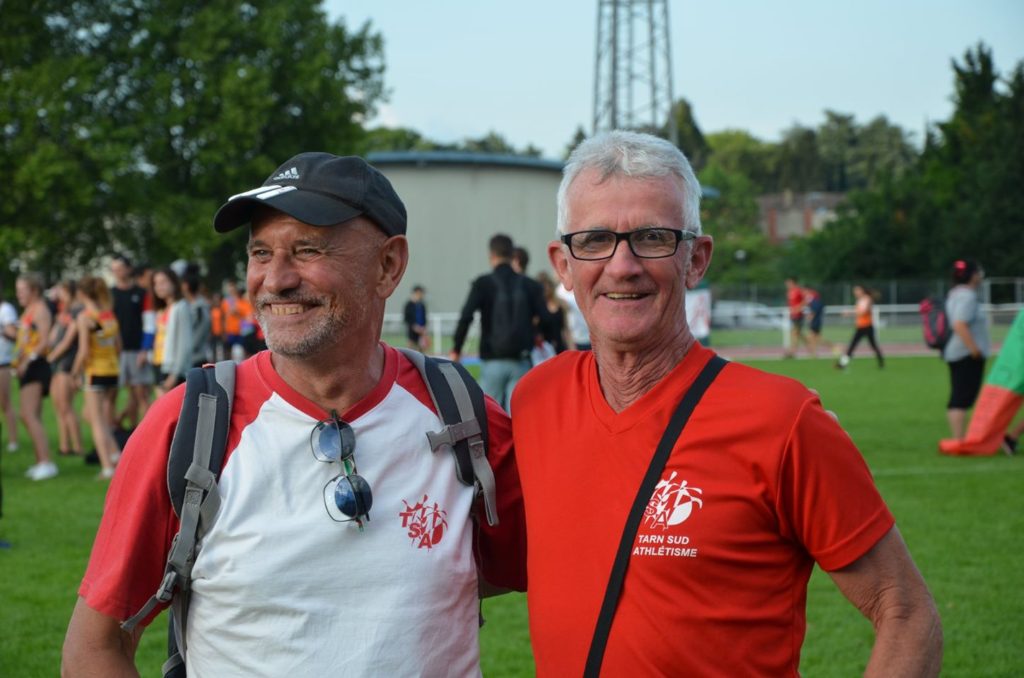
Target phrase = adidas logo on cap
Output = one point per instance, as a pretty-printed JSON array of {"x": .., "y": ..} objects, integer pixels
[{"x": 290, "y": 173}]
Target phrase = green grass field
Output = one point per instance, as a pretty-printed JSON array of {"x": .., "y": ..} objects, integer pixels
[{"x": 962, "y": 517}]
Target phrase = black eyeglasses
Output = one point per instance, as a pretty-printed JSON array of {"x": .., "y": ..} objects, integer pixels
[
  {"x": 347, "y": 496},
  {"x": 646, "y": 243}
]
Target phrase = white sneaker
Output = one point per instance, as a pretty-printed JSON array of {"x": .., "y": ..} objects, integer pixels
[
  {"x": 43, "y": 471},
  {"x": 105, "y": 474},
  {"x": 12, "y": 447},
  {"x": 31, "y": 470}
]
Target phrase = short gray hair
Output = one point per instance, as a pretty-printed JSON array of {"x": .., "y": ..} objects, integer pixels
[{"x": 635, "y": 155}]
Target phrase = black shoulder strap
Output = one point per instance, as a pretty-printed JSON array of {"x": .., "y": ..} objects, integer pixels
[
  {"x": 643, "y": 497},
  {"x": 460, "y": 405},
  {"x": 199, "y": 381},
  {"x": 445, "y": 399}
]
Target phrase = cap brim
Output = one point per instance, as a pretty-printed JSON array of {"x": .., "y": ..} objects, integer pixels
[{"x": 306, "y": 206}]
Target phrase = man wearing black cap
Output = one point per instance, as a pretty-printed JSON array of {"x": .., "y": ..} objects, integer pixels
[{"x": 292, "y": 577}]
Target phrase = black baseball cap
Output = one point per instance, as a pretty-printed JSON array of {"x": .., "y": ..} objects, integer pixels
[{"x": 320, "y": 189}]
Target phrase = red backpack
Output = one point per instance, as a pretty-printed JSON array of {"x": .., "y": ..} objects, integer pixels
[{"x": 934, "y": 323}]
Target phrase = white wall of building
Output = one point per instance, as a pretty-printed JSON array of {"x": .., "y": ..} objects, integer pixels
[{"x": 454, "y": 209}]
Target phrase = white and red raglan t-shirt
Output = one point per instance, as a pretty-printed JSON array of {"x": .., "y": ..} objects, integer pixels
[
  {"x": 279, "y": 588},
  {"x": 761, "y": 484}
]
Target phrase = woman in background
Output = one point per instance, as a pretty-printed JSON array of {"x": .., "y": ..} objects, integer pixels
[
  {"x": 33, "y": 368},
  {"x": 99, "y": 350},
  {"x": 967, "y": 348},
  {"x": 8, "y": 335},
  {"x": 172, "y": 347},
  {"x": 63, "y": 349},
  {"x": 553, "y": 324}
]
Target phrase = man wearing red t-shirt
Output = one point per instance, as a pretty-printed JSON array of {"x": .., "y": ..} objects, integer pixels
[{"x": 761, "y": 484}]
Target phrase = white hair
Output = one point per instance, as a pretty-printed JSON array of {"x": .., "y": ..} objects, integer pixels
[{"x": 635, "y": 155}]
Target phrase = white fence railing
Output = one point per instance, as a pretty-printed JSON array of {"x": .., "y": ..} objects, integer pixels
[{"x": 894, "y": 324}]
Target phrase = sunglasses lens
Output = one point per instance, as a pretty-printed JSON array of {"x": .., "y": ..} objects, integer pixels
[
  {"x": 331, "y": 442},
  {"x": 352, "y": 496}
]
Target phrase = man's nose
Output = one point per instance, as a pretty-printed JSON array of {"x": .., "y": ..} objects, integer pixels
[
  {"x": 280, "y": 274},
  {"x": 623, "y": 261}
]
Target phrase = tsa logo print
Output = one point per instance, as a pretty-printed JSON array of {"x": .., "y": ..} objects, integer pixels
[
  {"x": 671, "y": 503},
  {"x": 426, "y": 522}
]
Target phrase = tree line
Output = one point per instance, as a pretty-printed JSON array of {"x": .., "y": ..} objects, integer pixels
[{"x": 908, "y": 212}]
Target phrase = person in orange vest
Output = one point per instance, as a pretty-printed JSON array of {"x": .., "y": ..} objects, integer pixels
[
  {"x": 216, "y": 326},
  {"x": 237, "y": 318},
  {"x": 864, "y": 322}
]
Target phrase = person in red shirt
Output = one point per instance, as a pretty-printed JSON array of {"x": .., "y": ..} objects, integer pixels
[
  {"x": 761, "y": 485},
  {"x": 796, "y": 300}
]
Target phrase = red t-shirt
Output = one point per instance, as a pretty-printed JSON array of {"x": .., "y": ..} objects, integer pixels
[
  {"x": 761, "y": 484},
  {"x": 795, "y": 301}
]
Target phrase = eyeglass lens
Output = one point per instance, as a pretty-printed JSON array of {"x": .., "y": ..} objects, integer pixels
[{"x": 646, "y": 242}]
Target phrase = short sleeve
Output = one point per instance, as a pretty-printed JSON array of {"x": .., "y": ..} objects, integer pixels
[
  {"x": 502, "y": 548},
  {"x": 827, "y": 499},
  {"x": 138, "y": 524}
]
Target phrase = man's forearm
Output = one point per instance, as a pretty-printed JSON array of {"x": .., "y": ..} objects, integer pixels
[{"x": 907, "y": 644}]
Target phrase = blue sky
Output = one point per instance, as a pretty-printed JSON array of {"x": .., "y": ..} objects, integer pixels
[{"x": 525, "y": 68}]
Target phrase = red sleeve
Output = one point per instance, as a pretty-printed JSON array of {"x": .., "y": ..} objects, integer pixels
[
  {"x": 501, "y": 549},
  {"x": 138, "y": 524},
  {"x": 827, "y": 498}
]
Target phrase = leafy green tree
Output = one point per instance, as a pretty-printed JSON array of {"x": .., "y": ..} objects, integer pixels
[
  {"x": 961, "y": 198},
  {"x": 800, "y": 165},
  {"x": 739, "y": 152},
  {"x": 126, "y": 122},
  {"x": 689, "y": 137},
  {"x": 881, "y": 150}
]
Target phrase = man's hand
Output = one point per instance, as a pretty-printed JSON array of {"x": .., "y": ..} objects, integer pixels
[{"x": 454, "y": 356}]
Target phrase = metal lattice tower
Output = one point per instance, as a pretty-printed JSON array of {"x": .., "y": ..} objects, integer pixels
[{"x": 633, "y": 67}]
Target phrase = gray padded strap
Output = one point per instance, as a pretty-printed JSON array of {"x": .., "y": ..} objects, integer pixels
[
  {"x": 477, "y": 451},
  {"x": 199, "y": 473},
  {"x": 224, "y": 373}
]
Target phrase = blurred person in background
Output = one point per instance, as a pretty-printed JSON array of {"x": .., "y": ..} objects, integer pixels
[
  {"x": 968, "y": 347},
  {"x": 797, "y": 304},
  {"x": 8, "y": 335},
  {"x": 217, "y": 326},
  {"x": 63, "y": 386},
  {"x": 172, "y": 347},
  {"x": 130, "y": 303},
  {"x": 98, "y": 362},
  {"x": 554, "y": 326},
  {"x": 864, "y": 325},
  {"x": 33, "y": 369},
  {"x": 578, "y": 330},
  {"x": 199, "y": 311},
  {"x": 415, "y": 317},
  {"x": 237, "y": 318}
]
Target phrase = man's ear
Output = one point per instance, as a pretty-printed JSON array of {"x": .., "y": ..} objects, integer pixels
[
  {"x": 560, "y": 263},
  {"x": 700, "y": 260},
  {"x": 393, "y": 258}
]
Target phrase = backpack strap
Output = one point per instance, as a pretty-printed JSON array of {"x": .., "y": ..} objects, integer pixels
[
  {"x": 193, "y": 468},
  {"x": 460, "y": 404}
]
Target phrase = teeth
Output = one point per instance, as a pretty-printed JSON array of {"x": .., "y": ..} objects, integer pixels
[
  {"x": 285, "y": 309},
  {"x": 617, "y": 295}
]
